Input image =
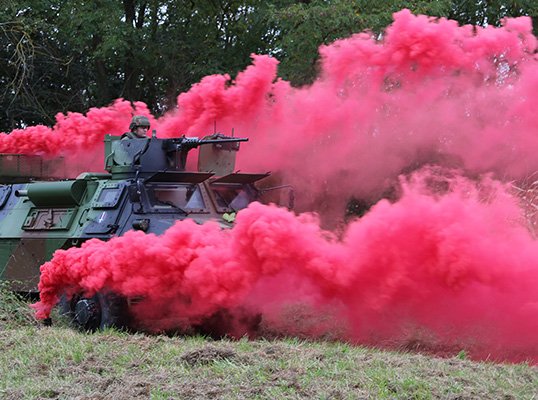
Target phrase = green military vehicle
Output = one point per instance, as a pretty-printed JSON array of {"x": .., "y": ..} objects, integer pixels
[{"x": 146, "y": 187}]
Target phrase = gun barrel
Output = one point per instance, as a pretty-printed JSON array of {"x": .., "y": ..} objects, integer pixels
[
  {"x": 188, "y": 143},
  {"x": 203, "y": 141}
]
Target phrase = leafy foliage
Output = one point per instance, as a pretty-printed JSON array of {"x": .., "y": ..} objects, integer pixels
[{"x": 481, "y": 12}]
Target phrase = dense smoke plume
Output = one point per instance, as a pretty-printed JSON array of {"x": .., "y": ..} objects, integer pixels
[
  {"x": 447, "y": 261},
  {"x": 454, "y": 269},
  {"x": 429, "y": 91}
]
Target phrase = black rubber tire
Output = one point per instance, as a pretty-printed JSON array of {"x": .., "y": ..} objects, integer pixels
[{"x": 109, "y": 310}]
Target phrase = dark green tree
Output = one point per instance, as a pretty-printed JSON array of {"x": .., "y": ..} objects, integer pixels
[
  {"x": 33, "y": 64},
  {"x": 304, "y": 26},
  {"x": 488, "y": 12},
  {"x": 69, "y": 55}
]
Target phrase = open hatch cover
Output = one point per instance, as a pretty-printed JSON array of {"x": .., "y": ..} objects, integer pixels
[
  {"x": 240, "y": 178},
  {"x": 179, "y": 177}
]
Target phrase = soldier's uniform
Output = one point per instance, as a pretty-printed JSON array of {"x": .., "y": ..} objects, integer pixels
[{"x": 131, "y": 135}]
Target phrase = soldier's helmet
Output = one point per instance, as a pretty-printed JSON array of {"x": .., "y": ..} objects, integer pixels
[{"x": 139, "y": 120}]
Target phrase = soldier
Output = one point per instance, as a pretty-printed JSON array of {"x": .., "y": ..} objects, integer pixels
[{"x": 138, "y": 128}]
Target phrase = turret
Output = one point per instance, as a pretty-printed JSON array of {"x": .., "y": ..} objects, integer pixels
[{"x": 125, "y": 158}]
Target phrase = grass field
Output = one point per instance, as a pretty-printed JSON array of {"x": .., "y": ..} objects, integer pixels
[{"x": 38, "y": 362}]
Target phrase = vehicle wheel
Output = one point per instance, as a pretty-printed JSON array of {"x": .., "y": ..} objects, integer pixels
[{"x": 101, "y": 311}]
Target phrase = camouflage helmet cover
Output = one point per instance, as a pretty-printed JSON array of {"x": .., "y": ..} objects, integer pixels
[{"x": 139, "y": 120}]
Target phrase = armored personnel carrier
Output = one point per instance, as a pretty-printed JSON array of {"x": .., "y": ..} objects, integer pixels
[{"x": 146, "y": 187}]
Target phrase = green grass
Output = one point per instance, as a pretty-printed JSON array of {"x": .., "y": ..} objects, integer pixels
[
  {"x": 14, "y": 309},
  {"x": 58, "y": 362}
]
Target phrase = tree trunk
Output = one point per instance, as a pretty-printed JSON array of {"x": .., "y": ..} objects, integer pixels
[{"x": 129, "y": 67}]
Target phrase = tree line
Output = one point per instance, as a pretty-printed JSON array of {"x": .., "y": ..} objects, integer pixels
[{"x": 70, "y": 55}]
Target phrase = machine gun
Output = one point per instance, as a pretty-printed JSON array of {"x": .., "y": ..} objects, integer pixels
[{"x": 185, "y": 143}]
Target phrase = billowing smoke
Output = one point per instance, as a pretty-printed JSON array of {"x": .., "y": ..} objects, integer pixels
[
  {"x": 447, "y": 261},
  {"x": 454, "y": 269},
  {"x": 428, "y": 92},
  {"x": 75, "y": 136}
]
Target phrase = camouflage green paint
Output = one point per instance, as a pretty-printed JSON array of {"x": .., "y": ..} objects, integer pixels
[{"x": 6, "y": 249}]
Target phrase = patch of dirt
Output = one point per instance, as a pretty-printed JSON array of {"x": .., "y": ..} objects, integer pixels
[
  {"x": 207, "y": 355},
  {"x": 134, "y": 389},
  {"x": 201, "y": 390},
  {"x": 287, "y": 377}
]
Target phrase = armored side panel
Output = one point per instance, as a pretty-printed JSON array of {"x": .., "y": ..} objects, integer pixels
[
  {"x": 22, "y": 168},
  {"x": 38, "y": 218},
  {"x": 22, "y": 267}
]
